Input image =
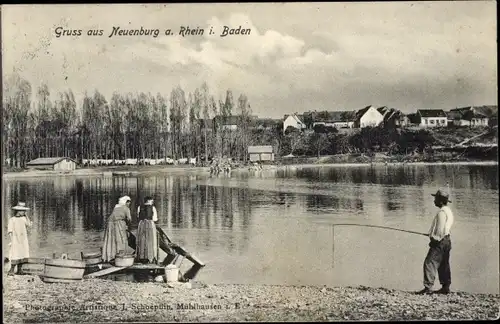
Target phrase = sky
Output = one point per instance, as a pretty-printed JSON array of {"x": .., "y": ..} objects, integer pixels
[{"x": 298, "y": 56}]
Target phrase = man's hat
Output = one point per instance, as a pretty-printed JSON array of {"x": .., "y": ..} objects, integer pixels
[
  {"x": 443, "y": 194},
  {"x": 20, "y": 206}
]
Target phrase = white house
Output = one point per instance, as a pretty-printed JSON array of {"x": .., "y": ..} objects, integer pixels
[
  {"x": 368, "y": 116},
  {"x": 294, "y": 121},
  {"x": 432, "y": 118},
  {"x": 468, "y": 116}
]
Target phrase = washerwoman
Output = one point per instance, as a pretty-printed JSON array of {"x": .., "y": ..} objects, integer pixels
[
  {"x": 147, "y": 239},
  {"x": 115, "y": 237}
]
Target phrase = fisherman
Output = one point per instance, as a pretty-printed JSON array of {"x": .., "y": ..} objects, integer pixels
[
  {"x": 438, "y": 257},
  {"x": 17, "y": 229},
  {"x": 147, "y": 237},
  {"x": 115, "y": 236}
]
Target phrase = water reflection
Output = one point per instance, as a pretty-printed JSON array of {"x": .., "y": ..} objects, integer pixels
[
  {"x": 459, "y": 176},
  {"x": 325, "y": 204},
  {"x": 258, "y": 227}
]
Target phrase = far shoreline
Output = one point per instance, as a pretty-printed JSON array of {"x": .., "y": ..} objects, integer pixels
[{"x": 112, "y": 171}]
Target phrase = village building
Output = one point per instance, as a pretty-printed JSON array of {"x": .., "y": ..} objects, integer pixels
[
  {"x": 52, "y": 163},
  {"x": 469, "y": 116},
  {"x": 293, "y": 120},
  {"x": 368, "y": 117},
  {"x": 432, "y": 118},
  {"x": 336, "y": 119},
  {"x": 227, "y": 122},
  {"x": 261, "y": 153},
  {"x": 265, "y": 123},
  {"x": 393, "y": 118}
]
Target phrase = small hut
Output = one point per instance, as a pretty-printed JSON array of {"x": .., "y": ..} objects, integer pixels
[
  {"x": 52, "y": 163},
  {"x": 261, "y": 153}
]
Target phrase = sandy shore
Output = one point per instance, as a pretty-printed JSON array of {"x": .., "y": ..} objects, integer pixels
[{"x": 27, "y": 299}]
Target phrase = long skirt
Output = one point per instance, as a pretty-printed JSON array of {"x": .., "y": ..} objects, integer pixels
[
  {"x": 147, "y": 242},
  {"x": 115, "y": 240}
]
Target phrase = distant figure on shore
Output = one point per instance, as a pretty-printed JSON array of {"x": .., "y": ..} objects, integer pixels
[
  {"x": 147, "y": 236},
  {"x": 17, "y": 229},
  {"x": 115, "y": 235},
  {"x": 227, "y": 168},
  {"x": 438, "y": 257},
  {"x": 214, "y": 168}
]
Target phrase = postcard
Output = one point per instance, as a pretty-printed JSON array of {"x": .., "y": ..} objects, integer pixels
[{"x": 210, "y": 162}]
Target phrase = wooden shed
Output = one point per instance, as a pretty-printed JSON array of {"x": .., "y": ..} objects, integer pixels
[
  {"x": 261, "y": 153},
  {"x": 52, "y": 163}
]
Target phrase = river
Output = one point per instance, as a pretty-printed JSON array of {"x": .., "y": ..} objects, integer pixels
[{"x": 275, "y": 226}]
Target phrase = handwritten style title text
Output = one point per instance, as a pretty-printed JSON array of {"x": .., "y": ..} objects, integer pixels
[{"x": 183, "y": 31}]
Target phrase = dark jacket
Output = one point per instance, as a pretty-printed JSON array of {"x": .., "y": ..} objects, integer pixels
[{"x": 146, "y": 212}]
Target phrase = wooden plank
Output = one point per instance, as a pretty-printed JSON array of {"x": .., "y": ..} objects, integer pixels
[
  {"x": 167, "y": 246},
  {"x": 176, "y": 248},
  {"x": 136, "y": 266},
  {"x": 103, "y": 272}
]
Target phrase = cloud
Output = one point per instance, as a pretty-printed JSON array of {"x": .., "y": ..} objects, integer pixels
[{"x": 342, "y": 56}]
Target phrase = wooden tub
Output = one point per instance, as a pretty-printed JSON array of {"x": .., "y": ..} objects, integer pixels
[
  {"x": 32, "y": 266},
  {"x": 63, "y": 270}
]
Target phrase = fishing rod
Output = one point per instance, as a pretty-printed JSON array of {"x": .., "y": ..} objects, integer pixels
[{"x": 384, "y": 227}]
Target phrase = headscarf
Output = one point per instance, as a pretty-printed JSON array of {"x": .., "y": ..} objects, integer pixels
[{"x": 123, "y": 200}]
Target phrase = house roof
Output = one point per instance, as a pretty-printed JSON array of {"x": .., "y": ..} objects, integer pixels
[
  {"x": 390, "y": 113},
  {"x": 260, "y": 149},
  {"x": 486, "y": 111},
  {"x": 361, "y": 112},
  {"x": 467, "y": 113},
  {"x": 426, "y": 113},
  {"x": 384, "y": 109},
  {"x": 47, "y": 161},
  {"x": 454, "y": 114}
]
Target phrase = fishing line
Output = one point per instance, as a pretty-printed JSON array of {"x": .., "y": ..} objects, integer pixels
[
  {"x": 364, "y": 225},
  {"x": 383, "y": 227}
]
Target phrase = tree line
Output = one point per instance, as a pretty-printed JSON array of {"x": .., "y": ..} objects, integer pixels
[
  {"x": 139, "y": 125},
  {"x": 178, "y": 125}
]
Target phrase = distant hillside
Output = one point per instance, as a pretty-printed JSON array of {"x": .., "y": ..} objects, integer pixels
[{"x": 453, "y": 136}]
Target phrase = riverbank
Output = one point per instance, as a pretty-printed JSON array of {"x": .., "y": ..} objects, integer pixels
[
  {"x": 106, "y": 171},
  {"x": 437, "y": 157},
  {"x": 145, "y": 170},
  {"x": 352, "y": 159},
  {"x": 27, "y": 299}
]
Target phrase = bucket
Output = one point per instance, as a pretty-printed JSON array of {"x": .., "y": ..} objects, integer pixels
[
  {"x": 123, "y": 259},
  {"x": 91, "y": 259},
  {"x": 172, "y": 273}
]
